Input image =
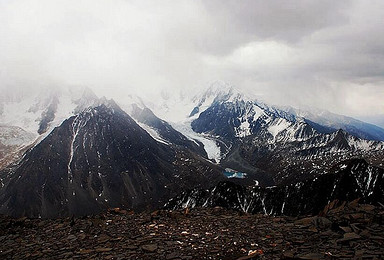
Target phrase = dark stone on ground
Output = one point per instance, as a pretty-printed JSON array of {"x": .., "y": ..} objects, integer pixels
[{"x": 343, "y": 231}]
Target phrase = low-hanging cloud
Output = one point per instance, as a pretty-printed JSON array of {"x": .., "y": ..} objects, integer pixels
[{"x": 323, "y": 53}]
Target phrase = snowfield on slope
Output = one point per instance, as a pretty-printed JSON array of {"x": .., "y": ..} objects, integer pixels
[{"x": 210, "y": 146}]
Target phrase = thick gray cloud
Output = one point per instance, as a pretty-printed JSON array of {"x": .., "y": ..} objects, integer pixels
[
  {"x": 327, "y": 54},
  {"x": 287, "y": 21}
]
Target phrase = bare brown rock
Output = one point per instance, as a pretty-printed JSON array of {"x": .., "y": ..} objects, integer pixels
[{"x": 200, "y": 234}]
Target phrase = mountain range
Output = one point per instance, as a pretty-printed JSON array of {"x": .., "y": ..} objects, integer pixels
[
  {"x": 269, "y": 142},
  {"x": 71, "y": 153}
]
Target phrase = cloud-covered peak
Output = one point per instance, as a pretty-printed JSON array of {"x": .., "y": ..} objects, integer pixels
[{"x": 321, "y": 53}]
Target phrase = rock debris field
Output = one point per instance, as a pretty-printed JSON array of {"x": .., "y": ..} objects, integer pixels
[{"x": 341, "y": 231}]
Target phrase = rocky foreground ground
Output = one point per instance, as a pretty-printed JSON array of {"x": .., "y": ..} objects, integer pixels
[{"x": 342, "y": 231}]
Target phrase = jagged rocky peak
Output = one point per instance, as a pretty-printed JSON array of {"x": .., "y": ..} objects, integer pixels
[
  {"x": 225, "y": 111},
  {"x": 237, "y": 117},
  {"x": 217, "y": 92}
]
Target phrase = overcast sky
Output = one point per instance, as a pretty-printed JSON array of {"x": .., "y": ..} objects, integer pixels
[{"x": 328, "y": 54}]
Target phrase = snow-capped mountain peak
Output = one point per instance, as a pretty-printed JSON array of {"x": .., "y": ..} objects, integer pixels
[
  {"x": 219, "y": 92},
  {"x": 41, "y": 111}
]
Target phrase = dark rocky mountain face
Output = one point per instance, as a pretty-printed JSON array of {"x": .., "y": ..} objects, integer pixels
[
  {"x": 165, "y": 130},
  {"x": 348, "y": 181},
  {"x": 237, "y": 118},
  {"x": 220, "y": 119},
  {"x": 99, "y": 159}
]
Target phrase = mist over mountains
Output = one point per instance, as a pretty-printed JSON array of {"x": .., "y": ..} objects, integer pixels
[
  {"x": 144, "y": 129},
  {"x": 81, "y": 154}
]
